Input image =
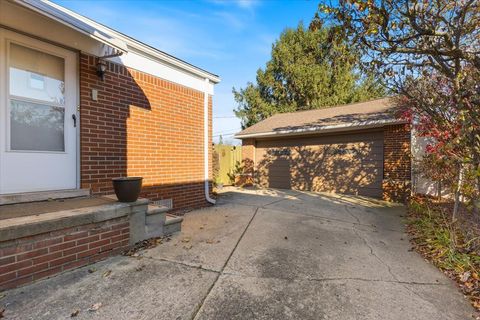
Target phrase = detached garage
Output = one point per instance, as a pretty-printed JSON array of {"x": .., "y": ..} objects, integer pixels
[{"x": 357, "y": 149}]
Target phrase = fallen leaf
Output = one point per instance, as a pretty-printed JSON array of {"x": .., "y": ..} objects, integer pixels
[
  {"x": 107, "y": 273},
  {"x": 465, "y": 276},
  {"x": 476, "y": 304},
  {"x": 95, "y": 307},
  {"x": 186, "y": 239},
  {"x": 188, "y": 246},
  {"x": 75, "y": 313}
]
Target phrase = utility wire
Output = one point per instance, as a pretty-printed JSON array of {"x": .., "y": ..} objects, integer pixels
[
  {"x": 227, "y": 131},
  {"x": 224, "y": 135}
]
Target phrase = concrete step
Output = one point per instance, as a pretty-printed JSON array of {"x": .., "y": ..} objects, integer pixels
[
  {"x": 13, "y": 198},
  {"x": 172, "y": 225},
  {"x": 155, "y": 220},
  {"x": 156, "y": 209}
]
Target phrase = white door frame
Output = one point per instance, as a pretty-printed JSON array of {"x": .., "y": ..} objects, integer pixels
[{"x": 7, "y": 37}]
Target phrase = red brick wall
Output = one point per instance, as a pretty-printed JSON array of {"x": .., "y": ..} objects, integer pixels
[
  {"x": 28, "y": 259},
  {"x": 397, "y": 163},
  {"x": 142, "y": 125}
]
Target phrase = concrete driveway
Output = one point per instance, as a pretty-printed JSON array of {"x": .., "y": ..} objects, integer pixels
[{"x": 260, "y": 255}]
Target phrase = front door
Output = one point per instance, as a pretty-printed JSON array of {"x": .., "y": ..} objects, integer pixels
[{"x": 38, "y": 116}]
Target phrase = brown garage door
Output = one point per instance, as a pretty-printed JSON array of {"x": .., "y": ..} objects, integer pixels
[{"x": 343, "y": 163}]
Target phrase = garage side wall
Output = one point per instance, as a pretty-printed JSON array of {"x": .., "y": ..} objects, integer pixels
[
  {"x": 248, "y": 161},
  {"x": 397, "y": 163}
]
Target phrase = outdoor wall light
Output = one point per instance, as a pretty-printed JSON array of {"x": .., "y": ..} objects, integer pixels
[{"x": 101, "y": 68}]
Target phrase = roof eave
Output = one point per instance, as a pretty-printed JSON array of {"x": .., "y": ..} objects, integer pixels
[
  {"x": 118, "y": 41},
  {"x": 38, "y": 8},
  {"x": 323, "y": 129}
]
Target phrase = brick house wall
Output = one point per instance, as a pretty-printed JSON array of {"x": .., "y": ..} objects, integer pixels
[
  {"x": 397, "y": 163},
  {"x": 142, "y": 125},
  {"x": 31, "y": 258}
]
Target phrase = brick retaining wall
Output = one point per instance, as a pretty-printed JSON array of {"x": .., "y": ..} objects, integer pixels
[{"x": 31, "y": 258}]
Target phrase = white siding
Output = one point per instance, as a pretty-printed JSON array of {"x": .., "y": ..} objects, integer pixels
[{"x": 420, "y": 184}]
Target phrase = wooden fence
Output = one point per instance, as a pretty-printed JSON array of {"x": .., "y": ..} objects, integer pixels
[{"x": 225, "y": 158}]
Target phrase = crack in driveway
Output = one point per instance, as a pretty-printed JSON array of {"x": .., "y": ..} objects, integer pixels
[
  {"x": 334, "y": 279},
  {"x": 329, "y": 279},
  {"x": 389, "y": 268},
  {"x": 199, "y": 308}
]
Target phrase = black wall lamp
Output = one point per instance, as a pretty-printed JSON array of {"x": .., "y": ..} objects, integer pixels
[
  {"x": 102, "y": 65},
  {"x": 101, "y": 68}
]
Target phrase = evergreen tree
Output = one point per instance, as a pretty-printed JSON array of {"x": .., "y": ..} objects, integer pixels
[{"x": 310, "y": 68}]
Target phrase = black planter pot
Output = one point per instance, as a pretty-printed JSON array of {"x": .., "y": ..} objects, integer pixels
[{"x": 127, "y": 189}]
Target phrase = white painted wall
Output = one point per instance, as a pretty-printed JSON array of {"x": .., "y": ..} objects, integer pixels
[
  {"x": 18, "y": 18},
  {"x": 420, "y": 184},
  {"x": 163, "y": 71}
]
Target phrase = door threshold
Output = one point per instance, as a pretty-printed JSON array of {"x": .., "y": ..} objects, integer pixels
[{"x": 24, "y": 197}]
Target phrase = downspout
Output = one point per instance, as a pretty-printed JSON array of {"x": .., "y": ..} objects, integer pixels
[{"x": 206, "y": 148}]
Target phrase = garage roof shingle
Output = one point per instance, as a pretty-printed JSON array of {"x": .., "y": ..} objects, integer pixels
[{"x": 364, "y": 114}]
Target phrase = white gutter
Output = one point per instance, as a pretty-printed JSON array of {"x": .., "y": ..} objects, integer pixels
[
  {"x": 206, "y": 148},
  {"x": 322, "y": 129}
]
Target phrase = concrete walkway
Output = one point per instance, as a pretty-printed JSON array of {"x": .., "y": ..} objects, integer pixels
[{"x": 260, "y": 255}]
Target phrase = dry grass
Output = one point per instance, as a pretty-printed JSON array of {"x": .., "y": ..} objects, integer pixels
[{"x": 452, "y": 246}]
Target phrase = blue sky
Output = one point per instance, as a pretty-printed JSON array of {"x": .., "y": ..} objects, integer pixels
[{"x": 231, "y": 38}]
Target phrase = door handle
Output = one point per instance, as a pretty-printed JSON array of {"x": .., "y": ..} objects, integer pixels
[{"x": 74, "y": 117}]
